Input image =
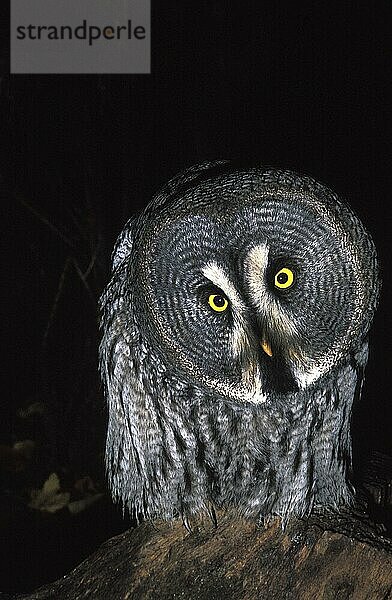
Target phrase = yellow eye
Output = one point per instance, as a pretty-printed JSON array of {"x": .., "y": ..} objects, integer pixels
[
  {"x": 284, "y": 278},
  {"x": 218, "y": 302}
]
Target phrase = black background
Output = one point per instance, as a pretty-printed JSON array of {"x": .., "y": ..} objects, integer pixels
[{"x": 289, "y": 84}]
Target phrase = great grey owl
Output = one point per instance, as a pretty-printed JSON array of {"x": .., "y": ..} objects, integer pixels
[{"x": 234, "y": 342}]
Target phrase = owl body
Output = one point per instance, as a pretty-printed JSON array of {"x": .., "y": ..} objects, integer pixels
[{"x": 234, "y": 342}]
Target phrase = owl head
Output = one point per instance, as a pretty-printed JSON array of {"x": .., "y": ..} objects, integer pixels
[{"x": 249, "y": 281}]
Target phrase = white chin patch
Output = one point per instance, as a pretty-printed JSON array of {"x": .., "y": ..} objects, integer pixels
[
  {"x": 255, "y": 394},
  {"x": 306, "y": 376},
  {"x": 249, "y": 389},
  {"x": 255, "y": 398}
]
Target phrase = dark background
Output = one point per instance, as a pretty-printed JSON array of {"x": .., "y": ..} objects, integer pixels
[{"x": 301, "y": 87}]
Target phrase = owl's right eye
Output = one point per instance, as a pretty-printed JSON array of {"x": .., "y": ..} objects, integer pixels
[
  {"x": 284, "y": 278},
  {"x": 218, "y": 302}
]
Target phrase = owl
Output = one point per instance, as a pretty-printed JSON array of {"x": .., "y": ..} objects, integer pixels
[{"x": 234, "y": 343}]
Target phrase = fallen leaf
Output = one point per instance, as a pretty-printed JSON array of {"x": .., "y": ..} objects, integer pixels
[{"x": 49, "y": 498}]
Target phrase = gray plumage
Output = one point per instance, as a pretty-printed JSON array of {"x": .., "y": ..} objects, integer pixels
[{"x": 234, "y": 342}]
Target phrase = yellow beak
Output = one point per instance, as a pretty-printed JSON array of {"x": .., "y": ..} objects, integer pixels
[{"x": 266, "y": 347}]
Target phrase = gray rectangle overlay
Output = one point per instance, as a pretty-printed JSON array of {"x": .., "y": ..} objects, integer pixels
[{"x": 80, "y": 36}]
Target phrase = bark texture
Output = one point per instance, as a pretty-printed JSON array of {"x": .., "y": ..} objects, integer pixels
[{"x": 333, "y": 557}]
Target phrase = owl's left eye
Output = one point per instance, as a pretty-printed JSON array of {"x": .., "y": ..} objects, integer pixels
[
  {"x": 218, "y": 302},
  {"x": 284, "y": 278}
]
